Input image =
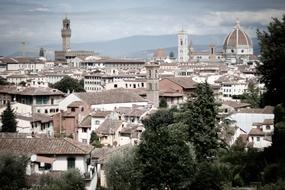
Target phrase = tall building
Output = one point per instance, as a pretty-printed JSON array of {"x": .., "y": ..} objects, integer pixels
[
  {"x": 66, "y": 54},
  {"x": 237, "y": 46},
  {"x": 152, "y": 83},
  {"x": 183, "y": 47},
  {"x": 66, "y": 34}
]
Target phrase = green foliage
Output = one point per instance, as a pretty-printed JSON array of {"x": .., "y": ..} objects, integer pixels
[
  {"x": 272, "y": 47},
  {"x": 252, "y": 96},
  {"x": 245, "y": 166},
  {"x": 199, "y": 114},
  {"x": 8, "y": 118},
  {"x": 94, "y": 140},
  {"x": 239, "y": 145},
  {"x": 279, "y": 113},
  {"x": 69, "y": 84},
  {"x": 214, "y": 176},
  {"x": 278, "y": 138},
  {"x": 164, "y": 158},
  {"x": 274, "y": 172},
  {"x": 279, "y": 185},
  {"x": 120, "y": 170},
  {"x": 12, "y": 172},
  {"x": 162, "y": 103},
  {"x": 69, "y": 180}
]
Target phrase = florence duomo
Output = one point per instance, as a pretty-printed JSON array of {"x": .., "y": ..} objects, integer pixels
[{"x": 142, "y": 95}]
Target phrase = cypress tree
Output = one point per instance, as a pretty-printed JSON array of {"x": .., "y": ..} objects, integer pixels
[{"x": 8, "y": 118}]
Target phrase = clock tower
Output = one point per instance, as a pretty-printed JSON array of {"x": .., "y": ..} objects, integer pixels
[{"x": 66, "y": 34}]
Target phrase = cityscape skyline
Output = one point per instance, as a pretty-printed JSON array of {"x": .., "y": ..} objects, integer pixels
[{"x": 39, "y": 22}]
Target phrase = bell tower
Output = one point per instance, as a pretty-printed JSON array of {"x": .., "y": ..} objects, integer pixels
[
  {"x": 66, "y": 34},
  {"x": 152, "y": 83},
  {"x": 183, "y": 47}
]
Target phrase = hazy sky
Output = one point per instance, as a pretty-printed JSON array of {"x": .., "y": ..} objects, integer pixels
[{"x": 40, "y": 21}]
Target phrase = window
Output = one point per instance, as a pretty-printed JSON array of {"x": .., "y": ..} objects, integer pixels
[
  {"x": 257, "y": 139},
  {"x": 267, "y": 127},
  {"x": 84, "y": 130},
  {"x": 84, "y": 141},
  {"x": 42, "y": 127},
  {"x": 73, "y": 109},
  {"x": 97, "y": 122},
  {"x": 51, "y": 101},
  {"x": 70, "y": 163},
  {"x": 115, "y": 86}
]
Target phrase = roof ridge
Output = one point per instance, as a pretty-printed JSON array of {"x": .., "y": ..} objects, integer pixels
[{"x": 75, "y": 145}]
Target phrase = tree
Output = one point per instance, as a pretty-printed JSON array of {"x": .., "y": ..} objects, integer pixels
[
  {"x": 68, "y": 84},
  {"x": 199, "y": 113},
  {"x": 8, "y": 118},
  {"x": 12, "y": 171},
  {"x": 252, "y": 96},
  {"x": 272, "y": 47},
  {"x": 69, "y": 180},
  {"x": 94, "y": 140},
  {"x": 165, "y": 159},
  {"x": 163, "y": 103},
  {"x": 120, "y": 170}
]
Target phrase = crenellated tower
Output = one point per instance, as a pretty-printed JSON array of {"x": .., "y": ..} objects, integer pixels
[{"x": 66, "y": 34}]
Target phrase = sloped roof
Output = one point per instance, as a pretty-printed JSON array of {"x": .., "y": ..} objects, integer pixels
[
  {"x": 268, "y": 121},
  {"x": 235, "y": 104},
  {"x": 35, "y": 117},
  {"x": 86, "y": 122},
  {"x": 43, "y": 146},
  {"x": 109, "y": 126},
  {"x": 36, "y": 91},
  {"x": 184, "y": 82},
  {"x": 100, "y": 114},
  {"x": 75, "y": 104},
  {"x": 256, "y": 132},
  {"x": 265, "y": 110},
  {"x": 109, "y": 97}
]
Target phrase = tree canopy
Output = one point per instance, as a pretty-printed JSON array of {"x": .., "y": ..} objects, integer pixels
[
  {"x": 69, "y": 84},
  {"x": 12, "y": 171},
  {"x": 68, "y": 180},
  {"x": 199, "y": 114},
  {"x": 164, "y": 157},
  {"x": 272, "y": 69},
  {"x": 8, "y": 118}
]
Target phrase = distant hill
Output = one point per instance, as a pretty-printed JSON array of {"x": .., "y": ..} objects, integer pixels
[{"x": 133, "y": 46}]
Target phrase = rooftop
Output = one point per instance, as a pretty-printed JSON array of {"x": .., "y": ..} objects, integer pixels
[{"x": 43, "y": 146}]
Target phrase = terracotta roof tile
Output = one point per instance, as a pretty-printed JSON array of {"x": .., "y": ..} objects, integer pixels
[
  {"x": 109, "y": 126},
  {"x": 43, "y": 146},
  {"x": 256, "y": 132},
  {"x": 109, "y": 96}
]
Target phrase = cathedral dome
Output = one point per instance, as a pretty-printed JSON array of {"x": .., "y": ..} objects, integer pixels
[
  {"x": 237, "y": 38},
  {"x": 160, "y": 53}
]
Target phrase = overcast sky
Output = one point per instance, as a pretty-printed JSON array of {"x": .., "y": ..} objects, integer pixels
[{"x": 40, "y": 21}]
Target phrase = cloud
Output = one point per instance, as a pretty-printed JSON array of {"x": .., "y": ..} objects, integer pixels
[{"x": 40, "y": 9}]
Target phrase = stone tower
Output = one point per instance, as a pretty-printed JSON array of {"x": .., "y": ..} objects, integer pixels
[
  {"x": 183, "y": 47},
  {"x": 66, "y": 34},
  {"x": 152, "y": 84},
  {"x": 212, "y": 54}
]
